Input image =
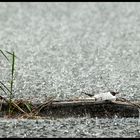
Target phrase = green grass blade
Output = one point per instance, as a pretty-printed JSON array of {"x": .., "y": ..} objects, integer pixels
[
  {"x": 12, "y": 70},
  {"x": 12, "y": 79},
  {"x": 11, "y": 54},
  {"x": 13, "y": 64},
  {"x": 5, "y": 87},
  {"x": 4, "y": 54},
  {"x": 28, "y": 106}
]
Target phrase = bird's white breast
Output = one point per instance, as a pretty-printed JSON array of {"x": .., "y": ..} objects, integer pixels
[{"x": 104, "y": 96}]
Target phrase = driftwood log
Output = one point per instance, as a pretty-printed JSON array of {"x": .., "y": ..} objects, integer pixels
[{"x": 84, "y": 107}]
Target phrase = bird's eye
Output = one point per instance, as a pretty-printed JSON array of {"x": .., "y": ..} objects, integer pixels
[{"x": 114, "y": 93}]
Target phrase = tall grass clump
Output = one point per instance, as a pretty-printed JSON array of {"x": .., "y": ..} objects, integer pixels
[
  {"x": 8, "y": 90},
  {"x": 11, "y": 59}
]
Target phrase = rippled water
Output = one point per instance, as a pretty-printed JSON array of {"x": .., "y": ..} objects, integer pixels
[
  {"x": 71, "y": 127},
  {"x": 65, "y": 48}
]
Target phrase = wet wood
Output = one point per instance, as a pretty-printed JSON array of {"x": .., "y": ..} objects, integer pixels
[
  {"x": 82, "y": 108},
  {"x": 90, "y": 108}
]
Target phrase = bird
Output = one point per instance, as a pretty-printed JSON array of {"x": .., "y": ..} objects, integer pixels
[{"x": 111, "y": 95}]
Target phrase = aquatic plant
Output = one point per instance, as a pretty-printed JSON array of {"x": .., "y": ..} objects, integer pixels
[
  {"x": 3, "y": 87},
  {"x": 32, "y": 112}
]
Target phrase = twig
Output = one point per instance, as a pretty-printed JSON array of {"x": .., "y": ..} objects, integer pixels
[
  {"x": 14, "y": 104},
  {"x": 125, "y": 100},
  {"x": 40, "y": 107}
]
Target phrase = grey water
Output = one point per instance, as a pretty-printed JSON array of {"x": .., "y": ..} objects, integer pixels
[
  {"x": 65, "y": 48},
  {"x": 70, "y": 128}
]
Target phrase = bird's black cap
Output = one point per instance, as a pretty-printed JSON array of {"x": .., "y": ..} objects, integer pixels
[{"x": 114, "y": 93}]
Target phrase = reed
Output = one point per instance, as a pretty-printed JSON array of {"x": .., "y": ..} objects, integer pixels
[
  {"x": 9, "y": 91},
  {"x": 12, "y": 105}
]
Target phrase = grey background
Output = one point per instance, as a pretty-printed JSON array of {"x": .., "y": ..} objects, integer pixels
[{"x": 65, "y": 48}]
